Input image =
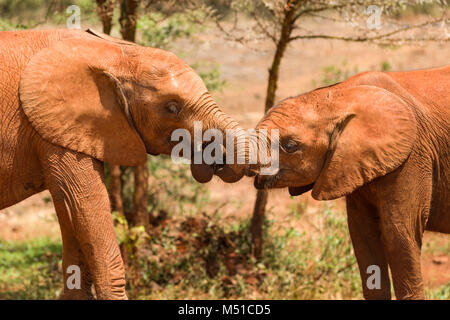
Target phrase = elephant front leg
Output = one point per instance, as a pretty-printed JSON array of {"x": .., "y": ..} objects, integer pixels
[
  {"x": 369, "y": 251},
  {"x": 404, "y": 202},
  {"x": 76, "y": 274},
  {"x": 403, "y": 252},
  {"x": 81, "y": 200}
]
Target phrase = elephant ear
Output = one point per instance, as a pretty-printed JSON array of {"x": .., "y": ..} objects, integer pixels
[
  {"x": 73, "y": 98},
  {"x": 373, "y": 134}
]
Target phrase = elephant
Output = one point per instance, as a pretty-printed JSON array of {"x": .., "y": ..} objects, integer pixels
[
  {"x": 73, "y": 99},
  {"x": 382, "y": 141}
]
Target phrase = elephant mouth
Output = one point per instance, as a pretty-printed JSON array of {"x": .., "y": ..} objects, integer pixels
[
  {"x": 269, "y": 182},
  {"x": 218, "y": 167},
  {"x": 296, "y": 191},
  {"x": 266, "y": 182},
  {"x": 203, "y": 172}
]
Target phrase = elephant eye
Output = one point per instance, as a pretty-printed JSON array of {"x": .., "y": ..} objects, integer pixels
[
  {"x": 173, "y": 107},
  {"x": 290, "y": 146}
]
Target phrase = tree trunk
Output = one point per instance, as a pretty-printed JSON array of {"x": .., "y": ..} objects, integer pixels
[
  {"x": 128, "y": 19},
  {"x": 105, "y": 10},
  {"x": 140, "y": 216},
  {"x": 115, "y": 188},
  {"x": 259, "y": 210}
]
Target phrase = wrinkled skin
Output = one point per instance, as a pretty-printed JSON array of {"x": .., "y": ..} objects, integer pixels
[
  {"x": 72, "y": 99},
  {"x": 382, "y": 140}
]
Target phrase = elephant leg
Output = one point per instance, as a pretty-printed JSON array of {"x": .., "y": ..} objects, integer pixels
[
  {"x": 366, "y": 239},
  {"x": 403, "y": 251},
  {"x": 77, "y": 186},
  {"x": 404, "y": 204},
  {"x": 73, "y": 256}
]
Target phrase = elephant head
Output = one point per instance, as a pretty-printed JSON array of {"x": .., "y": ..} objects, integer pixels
[
  {"x": 333, "y": 140},
  {"x": 117, "y": 101}
]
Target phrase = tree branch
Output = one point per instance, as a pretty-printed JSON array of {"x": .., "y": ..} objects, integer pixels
[
  {"x": 375, "y": 37},
  {"x": 325, "y": 7},
  {"x": 263, "y": 28}
]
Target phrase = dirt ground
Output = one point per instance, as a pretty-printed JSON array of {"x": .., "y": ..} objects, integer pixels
[{"x": 245, "y": 72}]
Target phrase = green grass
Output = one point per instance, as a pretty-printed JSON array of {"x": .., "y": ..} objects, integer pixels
[
  {"x": 30, "y": 270},
  {"x": 441, "y": 293}
]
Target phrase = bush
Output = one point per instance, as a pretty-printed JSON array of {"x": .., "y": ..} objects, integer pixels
[
  {"x": 160, "y": 33},
  {"x": 206, "y": 257},
  {"x": 31, "y": 13}
]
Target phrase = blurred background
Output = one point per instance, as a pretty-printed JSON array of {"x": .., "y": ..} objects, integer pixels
[{"x": 183, "y": 240}]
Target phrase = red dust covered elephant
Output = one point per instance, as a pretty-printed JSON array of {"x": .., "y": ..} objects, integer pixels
[
  {"x": 382, "y": 140},
  {"x": 71, "y": 99}
]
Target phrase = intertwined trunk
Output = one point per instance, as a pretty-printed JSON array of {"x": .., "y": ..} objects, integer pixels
[
  {"x": 214, "y": 118},
  {"x": 259, "y": 209}
]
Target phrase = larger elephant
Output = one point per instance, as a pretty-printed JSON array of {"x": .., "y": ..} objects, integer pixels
[
  {"x": 71, "y": 99},
  {"x": 382, "y": 140}
]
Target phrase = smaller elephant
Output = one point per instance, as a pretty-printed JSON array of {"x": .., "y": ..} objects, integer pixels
[{"x": 382, "y": 140}]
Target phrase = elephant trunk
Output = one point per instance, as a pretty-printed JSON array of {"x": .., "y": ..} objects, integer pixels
[{"x": 235, "y": 144}]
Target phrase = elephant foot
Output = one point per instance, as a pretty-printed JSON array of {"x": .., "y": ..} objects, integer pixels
[
  {"x": 76, "y": 295},
  {"x": 411, "y": 296},
  {"x": 377, "y": 294}
]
